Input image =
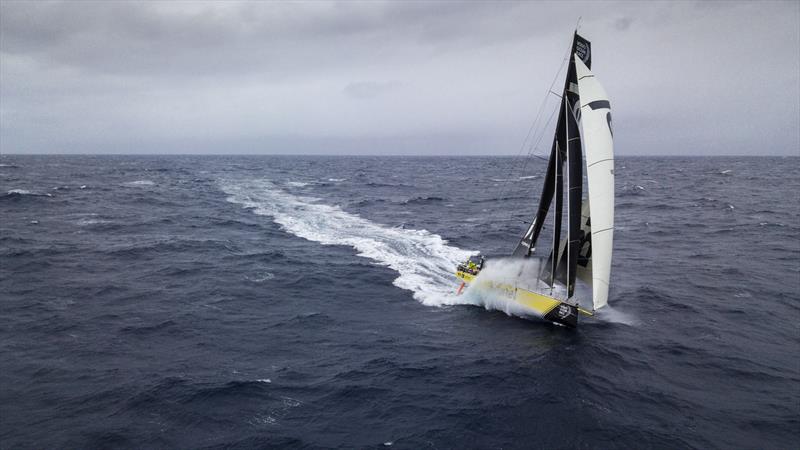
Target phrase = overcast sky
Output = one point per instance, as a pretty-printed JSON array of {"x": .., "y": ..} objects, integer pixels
[{"x": 390, "y": 77}]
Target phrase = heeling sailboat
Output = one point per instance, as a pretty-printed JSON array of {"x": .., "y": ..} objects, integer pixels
[{"x": 584, "y": 126}]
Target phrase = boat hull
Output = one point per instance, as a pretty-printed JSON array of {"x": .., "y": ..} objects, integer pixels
[{"x": 544, "y": 306}]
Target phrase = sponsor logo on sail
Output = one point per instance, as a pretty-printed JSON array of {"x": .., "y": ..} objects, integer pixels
[{"x": 582, "y": 50}]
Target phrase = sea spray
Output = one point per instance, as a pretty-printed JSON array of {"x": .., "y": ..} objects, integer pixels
[
  {"x": 493, "y": 287},
  {"x": 613, "y": 315},
  {"x": 423, "y": 260}
]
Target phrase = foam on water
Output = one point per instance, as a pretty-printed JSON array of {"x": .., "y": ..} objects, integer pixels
[
  {"x": 137, "y": 183},
  {"x": 26, "y": 192},
  {"x": 424, "y": 260},
  {"x": 297, "y": 183}
]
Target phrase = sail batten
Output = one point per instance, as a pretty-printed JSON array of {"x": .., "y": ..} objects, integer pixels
[{"x": 599, "y": 148}]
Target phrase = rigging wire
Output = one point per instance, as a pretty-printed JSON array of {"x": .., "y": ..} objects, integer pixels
[{"x": 534, "y": 142}]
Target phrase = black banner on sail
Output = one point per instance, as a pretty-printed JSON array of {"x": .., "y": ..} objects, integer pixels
[{"x": 583, "y": 49}]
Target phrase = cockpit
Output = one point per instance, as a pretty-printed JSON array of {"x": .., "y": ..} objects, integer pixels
[{"x": 473, "y": 265}]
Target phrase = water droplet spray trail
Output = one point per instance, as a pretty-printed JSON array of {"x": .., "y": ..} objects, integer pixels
[{"x": 424, "y": 260}]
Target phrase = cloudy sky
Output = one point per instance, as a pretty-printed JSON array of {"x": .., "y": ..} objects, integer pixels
[{"x": 389, "y": 77}]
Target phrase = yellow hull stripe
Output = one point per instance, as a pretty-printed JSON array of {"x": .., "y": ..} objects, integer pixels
[{"x": 540, "y": 303}]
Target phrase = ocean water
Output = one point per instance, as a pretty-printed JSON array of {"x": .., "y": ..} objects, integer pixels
[{"x": 308, "y": 302}]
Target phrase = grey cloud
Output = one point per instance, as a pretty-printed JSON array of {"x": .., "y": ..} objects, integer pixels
[
  {"x": 370, "y": 89},
  {"x": 623, "y": 23},
  {"x": 152, "y": 76},
  {"x": 151, "y": 37}
]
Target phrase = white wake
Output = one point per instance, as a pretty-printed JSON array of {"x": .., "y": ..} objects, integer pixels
[{"x": 424, "y": 261}]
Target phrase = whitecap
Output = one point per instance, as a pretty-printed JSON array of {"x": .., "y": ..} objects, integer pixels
[
  {"x": 336, "y": 180},
  {"x": 89, "y": 222},
  {"x": 260, "y": 278},
  {"x": 263, "y": 420},
  {"x": 140, "y": 183},
  {"x": 297, "y": 183},
  {"x": 27, "y": 192}
]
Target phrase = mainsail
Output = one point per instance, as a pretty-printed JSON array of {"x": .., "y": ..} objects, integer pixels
[{"x": 585, "y": 252}]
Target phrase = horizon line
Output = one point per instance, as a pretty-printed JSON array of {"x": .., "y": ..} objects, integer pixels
[{"x": 438, "y": 155}]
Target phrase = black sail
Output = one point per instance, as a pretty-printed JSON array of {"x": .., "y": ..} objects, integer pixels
[
  {"x": 566, "y": 150},
  {"x": 528, "y": 241},
  {"x": 568, "y": 256}
]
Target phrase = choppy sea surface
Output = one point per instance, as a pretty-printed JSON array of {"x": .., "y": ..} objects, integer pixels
[{"x": 308, "y": 302}]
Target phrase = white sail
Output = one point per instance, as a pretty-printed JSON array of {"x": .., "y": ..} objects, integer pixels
[{"x": 598, "y": 143}]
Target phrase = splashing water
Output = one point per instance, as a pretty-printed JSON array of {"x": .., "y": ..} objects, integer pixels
[
  {"x": 510, "y": 272},
  {"x": 424, "y": 260}
]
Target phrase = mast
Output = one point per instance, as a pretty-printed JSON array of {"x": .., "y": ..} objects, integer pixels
[
  {"x": 566, "y": 148},
  {"x": 528, "y": 241},
  {"x": 575, "y": 190}
]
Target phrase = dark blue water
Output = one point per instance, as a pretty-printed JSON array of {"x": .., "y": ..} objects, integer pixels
[{"x": 307, "y": 302}]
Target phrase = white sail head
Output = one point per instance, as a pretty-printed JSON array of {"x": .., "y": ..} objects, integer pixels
[{"x": 598, "y": 144}]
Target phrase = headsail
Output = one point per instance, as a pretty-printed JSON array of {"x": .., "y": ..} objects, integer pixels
[
  {"x": 585, "y": 251},
  {"x": 599, "y": 146}
]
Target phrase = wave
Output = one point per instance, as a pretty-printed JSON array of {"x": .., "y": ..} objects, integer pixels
[
  {"x": 138, "y": 183},
  {"x": 422, "y": 200},
  {"x": 422, "y": 259},
  {"x": 260, "y": 277},
  {"x": 521, "y": 178},
  {"x": 20, "y": 193},
  {"x": 399, "y": 185},
  {"x": 90, "y": 222},
  {"x": 297, "y": 183},
  {"x": 502, "y": 199}
]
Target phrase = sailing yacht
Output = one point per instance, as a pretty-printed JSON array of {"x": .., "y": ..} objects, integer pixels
[{"x": 582, "y": 145}]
